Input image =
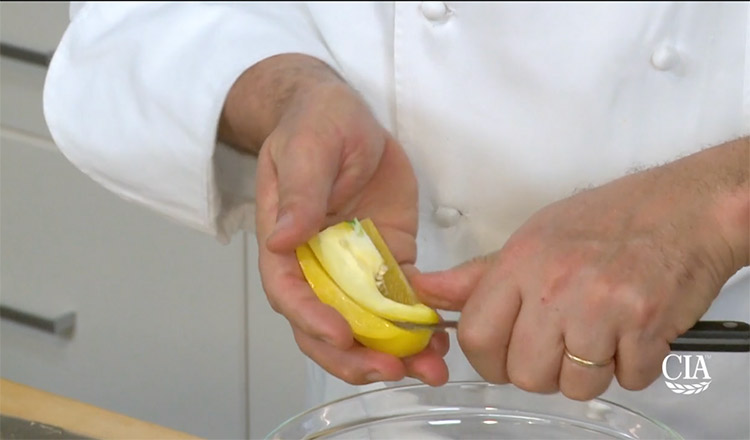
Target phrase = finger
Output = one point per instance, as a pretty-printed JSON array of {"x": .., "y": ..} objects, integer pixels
[
  {"x": 286, "y": 289},
  {"x": 356, "y": 365},
  {"x": 266, "y": 197},
  {"x": 595, "y": 342},
  {"x": 535, "y": 350},
  {"x": 290, "y": 295},
  {"x": 450, "y": 289},
  {"x": 428, "y": 365},
  {"x": 440, "y": 343},
  {"x": 359, "y": 167},
  {"x": 395, "y": 178},
  {"x": 639, "y": 360},
  {"x": 484, "y": 330},
  {"x": 403, "y": 247},
  {"x": 304, "y": 174}
]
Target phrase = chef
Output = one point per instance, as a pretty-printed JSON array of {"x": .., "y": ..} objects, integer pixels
[{"x": 571, "y": 178}]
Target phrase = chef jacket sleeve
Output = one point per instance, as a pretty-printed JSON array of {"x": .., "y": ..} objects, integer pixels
[{"x": 135, "y": 90}]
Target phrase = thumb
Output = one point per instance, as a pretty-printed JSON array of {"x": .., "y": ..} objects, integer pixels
[
  {"x": 449, "y": 289},
  {"x": 304, "y": 180}
]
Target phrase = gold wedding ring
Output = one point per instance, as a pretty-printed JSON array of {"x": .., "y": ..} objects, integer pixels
[{"x": 585, "y": 362}]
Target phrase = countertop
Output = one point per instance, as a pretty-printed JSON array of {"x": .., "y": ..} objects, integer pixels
[{"x": 23, "y": 402}]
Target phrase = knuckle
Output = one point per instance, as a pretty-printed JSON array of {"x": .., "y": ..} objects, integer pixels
[
  {"x": 527, "y": 381},
  {"x": 274, "y": 303},
  {"x": 520, "y": 246},
  {"x": 270, "y": 297},
  {"x": 627, "y": 298},
  {"x": 302, "y": 342},
  {"x": 632, "y": 382},
  {"x": 636, "y": 379},
  {"x": 579, "y": 393},
  {"x": 598, "y": 301},
  {"x": 604, "y": 291},
  {"x": 640, "y": 308},
  {"x": 473, "y": 339},
  {"x": 555, "y": 284},
  {"x": 492, "y": 372}
]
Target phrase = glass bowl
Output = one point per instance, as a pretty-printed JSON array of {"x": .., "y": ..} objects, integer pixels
[{"x": 469, "y": 410}]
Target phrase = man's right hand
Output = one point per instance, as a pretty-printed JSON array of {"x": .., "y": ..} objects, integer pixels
[{"x": 323, "y": 158}]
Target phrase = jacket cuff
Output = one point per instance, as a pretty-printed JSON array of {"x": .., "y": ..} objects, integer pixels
[{"x": 135, "y": 90}]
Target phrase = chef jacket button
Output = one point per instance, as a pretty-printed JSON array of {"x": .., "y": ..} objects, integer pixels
[
  {"x": 665, "y": 58},
  {"x": 446, "y": 217},
  {"x": 435, "y": 11}
]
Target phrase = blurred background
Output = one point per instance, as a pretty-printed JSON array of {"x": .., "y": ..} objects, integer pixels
[{"x": 139, "y": 315}]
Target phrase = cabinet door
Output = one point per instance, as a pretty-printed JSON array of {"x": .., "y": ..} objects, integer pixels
[{"x": 161, "y": 310}]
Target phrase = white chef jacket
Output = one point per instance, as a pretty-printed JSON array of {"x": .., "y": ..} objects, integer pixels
[{"x": 502, "y": 108}]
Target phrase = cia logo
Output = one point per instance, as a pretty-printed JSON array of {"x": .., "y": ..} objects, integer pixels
[{"x": 686, "y": 374}]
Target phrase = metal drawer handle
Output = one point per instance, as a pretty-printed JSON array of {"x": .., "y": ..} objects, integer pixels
[
  {"x": 61, "y": 325},
  {"x": 25, "y": 55}
]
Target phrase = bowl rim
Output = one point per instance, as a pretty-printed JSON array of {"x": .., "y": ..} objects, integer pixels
[{"x": 290, "y": 420}]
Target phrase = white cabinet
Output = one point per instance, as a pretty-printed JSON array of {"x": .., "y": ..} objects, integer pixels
[
  {"x": 160, "y": 309},
  {"x": 172, "y": 327}
]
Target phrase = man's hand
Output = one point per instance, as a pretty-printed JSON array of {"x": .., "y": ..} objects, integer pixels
[
  {"x": 613, "y": 273},
  {"x": 324, "y": 158}
]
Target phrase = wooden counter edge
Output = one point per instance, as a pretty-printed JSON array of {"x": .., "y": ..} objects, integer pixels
[{"x": 22, "y": 401}]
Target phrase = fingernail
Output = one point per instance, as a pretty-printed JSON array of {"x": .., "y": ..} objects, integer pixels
[
  {"x": 283, "y": 221},
  {"x": 438, "y": 346},
  {"x": 373, "y": 376},
  {"x": 417, "y": 376}
]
